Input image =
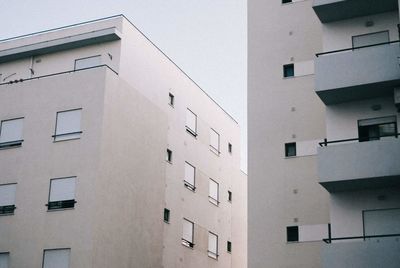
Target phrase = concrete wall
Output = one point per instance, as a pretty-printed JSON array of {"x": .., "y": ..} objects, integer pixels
[{"x": 282, "y": 191}]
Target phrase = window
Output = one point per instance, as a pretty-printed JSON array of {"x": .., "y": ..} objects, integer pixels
[
  {"x": 62, "y": 193},
  {"x": 230, "y": 148},
  {"x": 56, "y": 258},
  {"x": 11, "y": 133},
  {"x": 229, "y": 196},
  {"x": 171, "y": 99},
  {"x": 370, "y": 39},
  {"x": 169, "y": 156},
  {"x": 290, "y": 149},
  {"x": 191, "y": 122},
  {"x": 213, "y": 194},
  {"x": 212, "y": 245},
  {"x": 68, "y": 125},
  {"x": 166, "y": 215},
  {"x": 376, "y": 128},
  {"x": 214, "y": 141},
  {"x": 229, "y": 246},
  {"x": 187, "y": 237},
  {"x": 288, "y": 70},
  {"x": 286, "y": 1},
  {"x": 292, "y": 233},
  {"x": 4, "y": 259},
  {"x": 88, "y": 62},
  {"x": 189, "y": 180},
  {"x": 7, "y": 198}
]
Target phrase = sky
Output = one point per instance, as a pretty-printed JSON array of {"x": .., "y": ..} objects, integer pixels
[{"x": 205, "y": 38}]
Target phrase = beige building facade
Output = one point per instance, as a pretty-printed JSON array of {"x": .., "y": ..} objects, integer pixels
[{"x": 111, "y": 156}]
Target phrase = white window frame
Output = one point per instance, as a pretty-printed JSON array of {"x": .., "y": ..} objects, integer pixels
[
  {"x": 188, "y": 242},
  {"x": 189, "y": 129},
  {"x": 211, "y": 253},
  {"x": 70, "y": 135},
  {"x": 8, "y": 209},
  {"x": 211, "y": 198},
  {"x": 11, "y": 143},
  {"x": 55, "y": 249},
  {"x": 188, "y": 184},
  {"x": 212, "y": 146},
  {"x": 61, "y": 204}
]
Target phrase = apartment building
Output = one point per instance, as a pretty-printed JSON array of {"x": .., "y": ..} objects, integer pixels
[
  {"x": 111, "y": 156},
  {"x": 357, "y": 79},
  {"x": 323, "y": 147}
]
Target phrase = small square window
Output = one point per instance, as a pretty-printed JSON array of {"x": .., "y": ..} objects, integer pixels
[
  {"x": 229, "y": 196},
  {"x": 56, "y": 258},
  {"x": 290, "y": 149},
  {"x": 171, "y": 99},
  {"x": 62, "y": 193},
  {"x": 4, "y": 259},
  {"x": 11, "y": 133},
  {"x": 229, "y": 246},
  {"x": 7, "y": 198},
  {"x": 288, "y": 70},
  {"x": 68, "y": 125},
  {"x": 166, "y": 215},
  {"x": 292, "y": 233},
  {"x": 169, "y": 156},
  {"x": 230, "y": 148},
  {"x": 286, "y": 1}
]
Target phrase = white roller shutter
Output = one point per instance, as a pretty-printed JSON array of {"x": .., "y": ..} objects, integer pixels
[
  {"x": 212, "y": 245},
  {"x": 7, "y": 194},
  {"x": 11, "y": 130},
  {"x": 187, "y": 231},
  {"x": 189, "y": 173},
  {"x": 214, "y": 140},
  {"x": 68, "y": 122},
  {"x": 87, "y": 62},
  {"x": 191, "y": 121},
  {"x": 213, "y": 191},
  {"x": 62, "y": 189}
]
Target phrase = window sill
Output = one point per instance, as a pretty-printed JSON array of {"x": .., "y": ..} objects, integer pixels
[
  {"x": 191, "y": 132},
  {"x": 189, "y": 186},
  {"x": 7, "y": 214},
  {"x": 166, "y": 221},
  {"x": 187, "y": 244},
  {"x": 215, "y": 151},
  {"x": 289, "y": 157},
  {"x": 60, "y": 209},
  {"x": 169, "y": 162},
  {"x": 11, "y": 144},
  {"x": 63, "y": 137},
  {"x": 213, "y": 255},
  {"x": 172, "y": 106},
  {"x": 213, "y": 201}
]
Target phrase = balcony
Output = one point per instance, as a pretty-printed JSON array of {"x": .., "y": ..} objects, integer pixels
[
  {"x": 334, "y": 10},
  {"x": 357, "y": 73},
  {"x": 351, "y": 165}
]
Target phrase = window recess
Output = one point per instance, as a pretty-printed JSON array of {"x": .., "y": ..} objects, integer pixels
[
  {"x": 11, "y": 133},
  {"x": 7, "y": 198},
  {"x": 68, "y": 125},
  {"x": 62, "y": 193},
  {"x": 191, "y": 122},
  {"x": 188, "y": 233},
  {"x": 212, "y": 245},
  {"x": 190, "y": 173}
]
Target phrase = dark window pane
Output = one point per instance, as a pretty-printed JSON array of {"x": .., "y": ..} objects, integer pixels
[
  {"x": 288, "y": 70},
  {"x": 292, "y": 233},
  {"x": 290, "y": 149}
]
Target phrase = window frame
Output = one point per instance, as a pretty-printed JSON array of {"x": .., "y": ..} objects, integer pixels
[
  {"x": 167, "y": 215},
  {"x": 366, "y": 34},
  {"x": 213, "y": 255},
  {"x": 186, "y": 243},
  {"x": 285, "y": 70},
  {"x": 53, "y": 249},
  {"x": 85, "y": 58},
  {"x": 213, "y": 149},
  {"x": 193, "y": 132},
  {"x": 229, "y": 246},
  {"x": 230, "y": 148},
  {"x": 171, "y": 99},
  {"x": 10, "y": 144},
  {"x": 61, "y": 204},
  {"x": 169, "y": 156},
  {"x": 230, "y": 195},
  {"x": 8, "y": 210},
  {"x": 55, "y": 136},
  {"x": 382, "y": 118},
  {"x": 293, "y": 238},
  {"x": 187, "y": 184},
  {"x": 8, "y": 256},
  {"x": 211, "y": 199}
]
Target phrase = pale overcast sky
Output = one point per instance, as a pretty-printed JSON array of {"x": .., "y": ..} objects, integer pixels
[{"x": 206, "y": 38}]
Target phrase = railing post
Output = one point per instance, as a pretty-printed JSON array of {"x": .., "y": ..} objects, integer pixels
[
  {"x": 326, "y": 142},
  {"x": 329, "y": 233}
]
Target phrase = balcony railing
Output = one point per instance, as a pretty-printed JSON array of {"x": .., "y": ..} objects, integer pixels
[
  {"x": 359, "y": 139},
  {"x": 355, "y": 48},
  {"x": 364, "y": 237}
]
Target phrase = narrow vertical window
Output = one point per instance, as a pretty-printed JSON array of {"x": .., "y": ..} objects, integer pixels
[
  {"x": 188, "y": 233},
  {"x": 292, "y": 233},
  {"x": 166, "y": 215},
  {"x": 4, "y": 259},
  {"x": 229, "y": 246},
  {"x": 169, "y": 156},
  {"x": 171, "y": 99},
  {"x": 11, "y": 133},
  {"x": 212, "y": 245},
  {"x": 68, "y": 125},
  {"x": 88, "y": 62},
  {"x": 290, "y": 149},
  {"x": 288, "y": 70},
  {"x": 56, "y": 258},
  {"x": 62, "y": 193},
  {"x": 189, "y": 180},
  {"x": 191, "y": 122},
  {"x": 229, "y": 196},
  {"x": 230, "y": 148},
  {"x": 7, "y": 198},
  {"x": 213, "y": 195},
  {"x": 214, "y": 141}
]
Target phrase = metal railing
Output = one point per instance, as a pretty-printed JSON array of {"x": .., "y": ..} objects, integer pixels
[
  {"x": 354, "y": 48},
  {"x": 359, "y": 139},
  {"x": 330, "y": 239}
]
